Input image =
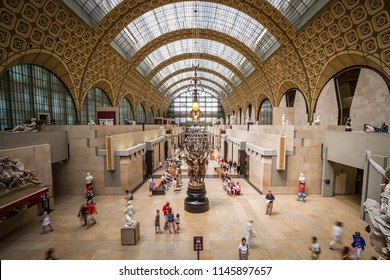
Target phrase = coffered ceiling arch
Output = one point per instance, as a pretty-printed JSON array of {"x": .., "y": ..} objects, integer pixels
[
  {"x": 183, "y": 89},
  {"x": 201, "y": 75},
  {"x": 191, "y": 70},
  {"x": 202, "y": 83},
  {"x": 204, "y": 61}
]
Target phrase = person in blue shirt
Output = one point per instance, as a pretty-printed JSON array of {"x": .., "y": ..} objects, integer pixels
[
  {"x": 384, "y": 128},
  {"x": 358, "y": 244}
]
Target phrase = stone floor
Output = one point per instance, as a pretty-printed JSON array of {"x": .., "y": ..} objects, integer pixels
[{"x": 283, "y": 236}]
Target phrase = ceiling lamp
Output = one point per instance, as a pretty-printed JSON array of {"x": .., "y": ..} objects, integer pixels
[
  {"x": 194, "y": 91},
  {"x": 196, "y": 115}
]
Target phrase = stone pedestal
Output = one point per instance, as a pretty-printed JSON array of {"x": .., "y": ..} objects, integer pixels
[
  {"x": 130, "y": 236},
  {"x": 196, "y": 202}
]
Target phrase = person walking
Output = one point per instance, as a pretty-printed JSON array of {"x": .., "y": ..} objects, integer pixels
[
  {"x": 249, "y": 232},
  {"x": 91, "y": 210},
  {"x": 337, "y": 234},
  {"x": 46, "y": 222},
  {"x": 50, "y": 254},
  {"x": 269, "y": 200},
  {"x": 358, "y": 244},
  {"x": 83, "y": 214},
  {"x": 151, "y": 186},
  {"x": 315, "y": 248},
  {"x": 157, "y": 222},
  {"x": 243, "y": 250}
]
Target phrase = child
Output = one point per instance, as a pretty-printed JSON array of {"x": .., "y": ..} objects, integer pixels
[
  {"x": 315, "y": 248},
  {"x": 46, "y": 222},
  {"x": 129, "y": 196},
  {"x": 177, "y": 221},
  {"x": 157, "y": 222}
]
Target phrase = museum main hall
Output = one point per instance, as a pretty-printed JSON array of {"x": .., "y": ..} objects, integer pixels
[{"x": 103, "y": 102}]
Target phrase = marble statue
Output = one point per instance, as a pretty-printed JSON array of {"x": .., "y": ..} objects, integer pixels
[
  {"x": 88, "y": 180},
  {"x": 233, "y": 120},
  {"x": 26, "y": 127},
  {"x": 13, "y": 174},
  {"x": 129, "y": 215},
  {"x": 317, "y": 121},
  {"x": 379, "y": 214},
  {"x": 301, "y": 178},
  {"x": 284, "y": 121}
]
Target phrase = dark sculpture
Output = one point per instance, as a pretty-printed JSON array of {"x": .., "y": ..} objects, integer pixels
[{"x": 196, "y": 156}]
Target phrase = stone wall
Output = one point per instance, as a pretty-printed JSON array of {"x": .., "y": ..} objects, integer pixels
[
  {"x": 326, "y": 106},
  {"x": 371, "y": 101}
]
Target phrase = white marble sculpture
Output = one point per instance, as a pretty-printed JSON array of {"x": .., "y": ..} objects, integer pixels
[
  {"x": 284, "y": 121},
  {"x": 301, "y": 178},
  {"x": 379, "y": 215},
  {"x": 26, "y": 127},
  {"x": 88, "y": 179},
  {"x": 129, "y": 216},
  {"x": 317, "y": 121}
]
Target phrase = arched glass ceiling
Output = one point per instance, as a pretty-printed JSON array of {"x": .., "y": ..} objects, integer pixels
[
  {"x": 185, "y": 93},
  {"x": 298, "y": 12},
  {"x": 201, "y": 74},
  {"x": 203, "y": 46},
  {"x": 187, "y": 84},
  {"x": 188, "y": 63},
  {"x": 181, "y": 15}
]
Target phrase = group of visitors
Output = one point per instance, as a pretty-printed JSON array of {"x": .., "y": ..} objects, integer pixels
[
  {"x": 227, "y": 165},
  {"x": 353, "y": 252},
  {"x": 171, "y": 221},
  {"x": 231, "y": 188}
]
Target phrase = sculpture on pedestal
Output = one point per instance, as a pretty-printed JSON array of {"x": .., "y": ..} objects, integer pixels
[
  {"x": 196, "y": 156},
  {"x": 379, "y": 215},
  {"x": 317, "y": 121},
  {"x": 284, "y": 121},
  {"x": 129, "y": 215}
]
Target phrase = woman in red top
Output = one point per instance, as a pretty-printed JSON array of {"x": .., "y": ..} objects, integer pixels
[{"x": 165, "y": 212}]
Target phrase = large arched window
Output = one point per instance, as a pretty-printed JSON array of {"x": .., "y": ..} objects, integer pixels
[
  {"x": 125, "y": 111},
  {"x": 140, "y": 114},
  {"x": 181, "y": 107},
  {"x": 265, "y": 112},
  {"x": 95, "y": 98},
  {"x": 150, "y": 116},
  {"x": 26, "y": 91}
]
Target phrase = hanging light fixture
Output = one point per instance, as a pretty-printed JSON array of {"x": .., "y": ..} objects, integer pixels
[{"x": 195, "y": 88}]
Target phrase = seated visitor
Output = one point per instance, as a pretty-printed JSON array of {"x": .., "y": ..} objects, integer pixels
[{"x": 384, "y": 128}]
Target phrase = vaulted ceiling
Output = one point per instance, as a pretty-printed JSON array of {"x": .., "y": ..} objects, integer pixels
[{"x": 168, "y": 41}]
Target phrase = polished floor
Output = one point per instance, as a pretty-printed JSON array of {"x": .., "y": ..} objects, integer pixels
[{"x": 283, "y": 236}]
